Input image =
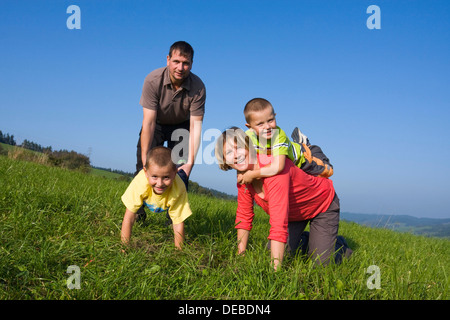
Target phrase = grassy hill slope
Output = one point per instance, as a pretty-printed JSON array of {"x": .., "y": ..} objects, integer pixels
[{"x": 52, "y": 218}]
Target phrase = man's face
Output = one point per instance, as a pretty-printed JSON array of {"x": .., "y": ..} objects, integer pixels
[
  {"x": 160, "y": 178},
  {"x": 179, "y": 67}
]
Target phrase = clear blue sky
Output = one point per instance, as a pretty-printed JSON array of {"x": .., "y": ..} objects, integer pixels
[{"x": 377, "y": 101}]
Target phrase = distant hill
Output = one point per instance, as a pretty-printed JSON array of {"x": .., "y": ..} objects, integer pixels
[{"x": 403, "y": 223}]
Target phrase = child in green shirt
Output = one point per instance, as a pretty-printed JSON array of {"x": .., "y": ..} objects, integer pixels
[{"x": 269, "y": 139}]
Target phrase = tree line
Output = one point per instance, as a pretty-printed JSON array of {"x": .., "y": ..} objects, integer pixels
[
  {"x": 7, "y": 138},
  {"x": 59, "y": 158}
]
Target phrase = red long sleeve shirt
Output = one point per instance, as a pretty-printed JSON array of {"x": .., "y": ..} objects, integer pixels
[{"x": 291, "y": 195}]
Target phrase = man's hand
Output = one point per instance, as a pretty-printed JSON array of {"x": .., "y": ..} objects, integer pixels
[{"x": 187, "y": 167}]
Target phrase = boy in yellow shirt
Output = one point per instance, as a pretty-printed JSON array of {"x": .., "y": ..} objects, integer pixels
[
  {"x": 160, "y": 188},
  {"x": 269, "y": 139}
]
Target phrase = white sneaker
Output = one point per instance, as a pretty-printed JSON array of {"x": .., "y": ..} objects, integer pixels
[{"x": 298, "y": 137}]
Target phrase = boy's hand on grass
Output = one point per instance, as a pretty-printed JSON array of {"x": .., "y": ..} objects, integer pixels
[{"x": 124, "y": 246}]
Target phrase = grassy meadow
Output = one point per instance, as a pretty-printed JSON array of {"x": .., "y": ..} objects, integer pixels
[{"x": 51, "y": 218}]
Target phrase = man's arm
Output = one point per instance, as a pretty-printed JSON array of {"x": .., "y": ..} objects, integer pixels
[
  {"x": 195, "y": 134},
  {"x": 148, "y": 130}
]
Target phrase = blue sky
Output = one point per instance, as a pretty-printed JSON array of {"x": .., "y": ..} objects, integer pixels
[{"x": 376, "y": 101}]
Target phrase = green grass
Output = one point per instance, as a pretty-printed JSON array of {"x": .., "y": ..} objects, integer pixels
[
  {"x": 52, "y": 218},
  {"x": 5, "y": 146},
  {"x": 107, "y": 174}
]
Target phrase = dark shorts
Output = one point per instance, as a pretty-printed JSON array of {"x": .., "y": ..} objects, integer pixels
[{"x": 162, "y": 134}]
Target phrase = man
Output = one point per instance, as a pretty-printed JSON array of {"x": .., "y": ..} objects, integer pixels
[
  {"x": 173, "y": 101},
  {"x": 173, "y": 98}
]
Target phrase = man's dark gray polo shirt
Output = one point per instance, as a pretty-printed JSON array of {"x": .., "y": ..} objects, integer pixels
[{"x": 173, "y": 107}]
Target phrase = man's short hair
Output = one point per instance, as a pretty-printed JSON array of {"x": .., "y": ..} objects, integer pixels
[
  {"x": 184, "y": 48},
  {"x": 161, "y": 157},
  {"x": 256, "y": 105}
]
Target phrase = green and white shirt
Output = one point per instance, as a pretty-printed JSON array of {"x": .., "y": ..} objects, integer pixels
[{"x": 279, "y": 144}]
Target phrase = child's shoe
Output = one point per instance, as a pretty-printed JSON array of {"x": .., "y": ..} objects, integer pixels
[{"x": 298, "y": 137}]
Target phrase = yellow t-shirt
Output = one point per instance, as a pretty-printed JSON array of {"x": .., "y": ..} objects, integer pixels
[{"x": 174, "y": 200}]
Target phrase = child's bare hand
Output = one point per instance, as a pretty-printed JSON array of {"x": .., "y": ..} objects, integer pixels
[
  {"x": 240, "y": 176},
  {"x": 245, "y": 178}
]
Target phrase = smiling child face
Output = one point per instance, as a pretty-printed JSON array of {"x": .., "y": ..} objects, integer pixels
[
  {"x": 160, "y": 178},
  {"x": 263, "y": 123}
]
